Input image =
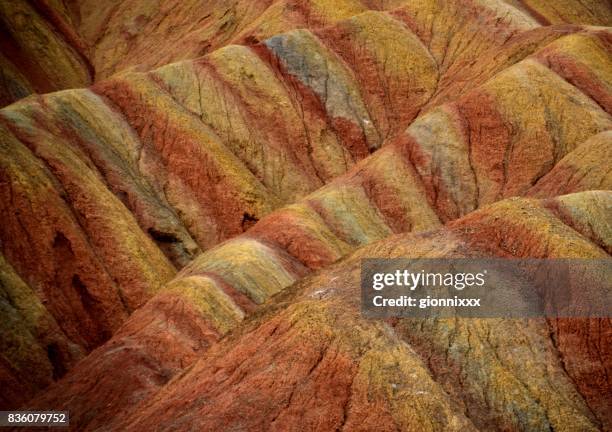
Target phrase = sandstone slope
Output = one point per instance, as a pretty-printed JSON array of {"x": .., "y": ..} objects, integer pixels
[
  {"x": 409, "y": 185},
  {"x": 52, "y": 45},
  {"x": 168, "y": 220},
  {"x": 310, "y": 347}
]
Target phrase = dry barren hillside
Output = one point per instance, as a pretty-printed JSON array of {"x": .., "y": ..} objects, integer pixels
[{"x": 188, "y": 189}]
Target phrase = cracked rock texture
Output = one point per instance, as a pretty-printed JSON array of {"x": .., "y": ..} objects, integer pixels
[{"x": 187, "y": 189}]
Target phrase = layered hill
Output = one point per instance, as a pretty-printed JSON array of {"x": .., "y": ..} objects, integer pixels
[
  {"x": 391, "y": 191},
  {"x": 52, "y": 45},
  {"x": 449, "y": 375},
  {"x": 312, "y": 343},
  {"x": 169, "y": 219}
]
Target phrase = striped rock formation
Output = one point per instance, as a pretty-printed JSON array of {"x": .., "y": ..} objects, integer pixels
[
  {"x": 40, "y": 50},
  {"x": 313, "y": 349},
  {"x": 154, "y": 356},
  {"x": 395, "y": 190},
  {"x": 51, "y": 45},
  {"x": 167, "y": 230}
]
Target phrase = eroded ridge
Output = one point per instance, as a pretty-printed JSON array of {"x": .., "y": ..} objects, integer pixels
[{"x": 300, "y": 133}]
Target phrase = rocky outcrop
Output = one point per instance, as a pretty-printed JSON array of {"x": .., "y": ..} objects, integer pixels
[
  {"x": 35, "y": 349},
  {"x": 40, "y": 50},
  {"x": 411, "y": 184},
  {"x": 183, "y": 227},
  {"x": 311, "y": 344},
  {"x": 50, "y": 45}
]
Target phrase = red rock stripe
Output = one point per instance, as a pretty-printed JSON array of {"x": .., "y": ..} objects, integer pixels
[
  {"x": 200, "y": 173},
  {"x": 348, "y": 133},
  {"x": 578, "y": 75}
]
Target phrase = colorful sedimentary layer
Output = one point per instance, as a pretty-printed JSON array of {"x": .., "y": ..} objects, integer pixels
[
  {"x": 183, "y": 225},
  {"x": 51, "y": 45},
  {"x": 39, "y": 50},
  {"x": 295, "y": 331},
  {"x": 409, "y": 185}
]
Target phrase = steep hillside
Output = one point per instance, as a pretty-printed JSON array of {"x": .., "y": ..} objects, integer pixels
[
  {"x": 454, "y": 374},
  {"x": 151, "y": 356},
  {"x": 51, "y": 45},
  {"x": 391, "y": 191},
  {"x": 183, "y": 221}
]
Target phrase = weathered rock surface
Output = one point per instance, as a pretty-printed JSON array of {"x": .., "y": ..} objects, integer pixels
[
  {"x": 310, "y": 346},
  {"x": 182, "y": 227},
  {"x": 40, "y": 50},
  {"x": 51, "y": 45},
  {"x": 394, "y": 190}
]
